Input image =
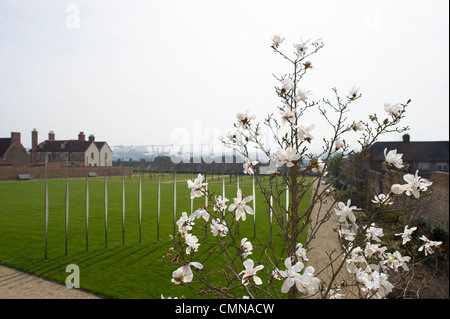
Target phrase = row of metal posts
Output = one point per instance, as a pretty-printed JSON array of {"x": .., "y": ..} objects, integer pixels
[{"x": 46, "y": 207}]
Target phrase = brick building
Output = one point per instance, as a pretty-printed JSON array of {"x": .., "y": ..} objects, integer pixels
[
  {"x": 12, "y": 152},
  {"x": 79, "y": 152}
]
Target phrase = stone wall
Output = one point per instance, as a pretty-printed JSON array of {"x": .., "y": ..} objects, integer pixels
[
  {"x": 8, "y": 173},
  {"x": 433, "y": 208}
]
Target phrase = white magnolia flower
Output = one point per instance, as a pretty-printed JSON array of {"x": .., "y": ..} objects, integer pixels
[
  {"x": 250, "y": 272},
  {"x": 406, "y": 235},
  {"x": 287, "y": 156},
  {"x": 287, "y": 117},
  {"x": 184, "y": 273},
  {"x": 397, "y": 189},
  {"x": 393, "y": 109},
  {"x": 276, "y": 274},
  {"x": 274, "y": 163},
  {"x": 353, "y": 94},
  {"x": 244, "y": 119},
  {"x": 246, "y": 248},
  {"x": 303, "y": 133},
  {"x": 307, "y": 281},
  {"x": 302, "y": 95},
  {"x": 396, "y": 260},
  {"x": 196, "y": 186},
  {"x": 277, "y": 39},
  {"x": 379, "y": 284},
  {"x": 382, "y": 200},
  {"x": 358, "y": 126},
  {"x": 291, "y": 274},
  {"x": 393, "y": 158},
  {"x": 248, "y": 166},
  {"x": 346, "y": 211},
  {"x": 162, "y": 297},
  {"x": 335, "y": 294},
  {"x": 347, "y": 234},
  {"x": 201, "y": 212},
  {"x": 319, "y": 167},
  {"x": 300, "y": 253},
  {"x": 220, "y": 204},
  {"x": 240, "y": 205},
  {"x": 373, "y": 249},
  {"x": 233, "y": 137},
  {"x": 218, "y": 227},
  {"x": 301, "y": 47},
  {"x": 287, "y": 85},
  {"x": 355, "y": 259},
  {"x": 191, "y": 242},
  {"x": 184, "y": 223},
  {"x": 427, "y": 247},
  {"x": 415, "y": 184},
  {"x": 373, "y": 233},
  {"x": 339, "y": 144}
]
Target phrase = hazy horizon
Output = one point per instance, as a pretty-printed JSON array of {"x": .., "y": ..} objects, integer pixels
[{"x": 166, "y": 72}]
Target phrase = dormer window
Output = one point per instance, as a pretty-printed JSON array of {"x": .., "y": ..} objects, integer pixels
[{"x": 63, "y": 146}]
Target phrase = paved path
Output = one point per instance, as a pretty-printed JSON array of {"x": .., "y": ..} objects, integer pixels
[
  {"x": 326, "y": 242},
  {"x": 15, "y": 284}
]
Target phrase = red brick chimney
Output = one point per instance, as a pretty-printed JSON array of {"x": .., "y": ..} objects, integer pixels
[
  {"x": 81, "y": 136},
  {"x": 91, "y": 138},
  {"x": 51, "y": 136},
  {"x": 34, "y": 139},
  {"x": 15, "y": 138}
]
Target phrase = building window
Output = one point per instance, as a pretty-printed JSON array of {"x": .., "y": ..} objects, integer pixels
[
  {"x": 442, "y": 166},
  {"x": 66, "y": 156},
  {"x": 38, "y": 156},
  {"x": 92, "y": 155},
  {"x": 423, "y": 166}
]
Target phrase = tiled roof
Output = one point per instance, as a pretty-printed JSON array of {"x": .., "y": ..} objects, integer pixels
[
  {"x": 413, "y": 151},
  {"x": 69, "y": 146},
  {"x": 5, "y": 143}
]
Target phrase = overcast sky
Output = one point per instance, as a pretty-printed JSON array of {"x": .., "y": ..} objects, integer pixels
[{"x": 144, "y": 72}]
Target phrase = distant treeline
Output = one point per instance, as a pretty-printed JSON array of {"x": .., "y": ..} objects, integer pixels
[{"x": 230, "y": 165}]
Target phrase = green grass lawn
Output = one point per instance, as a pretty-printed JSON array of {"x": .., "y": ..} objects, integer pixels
[{"x": 129, "y": 270}]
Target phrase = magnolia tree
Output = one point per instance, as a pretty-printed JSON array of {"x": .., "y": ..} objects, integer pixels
[{"x": 228, "y": 269}]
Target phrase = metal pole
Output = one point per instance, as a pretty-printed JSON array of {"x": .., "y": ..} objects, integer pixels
[
  {"x": 123, "y": 205},
  {"x": 67, "y": 202},
  {"x": 270, "y": 215},
  {"x": 287, "y": 203},
  {"x": 140, "y": 203},
  {"x": 223, "y": 186},
  {"x": 106, "y": 212},
  {"x": 174, "y": 199},
  {"x": 206, "y": 201},
  {"x": 254, "y": 206},
  {"x": 46, "y": 205},
  {"x": 87, "y": 207},
  {"x": 159, "y": 205}
]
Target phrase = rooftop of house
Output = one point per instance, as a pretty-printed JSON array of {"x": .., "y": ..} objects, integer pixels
[
  {"x": 5, "y": 143},
  {"x": 432, "y": 151},
  {"x": 78, "y": 145}
]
